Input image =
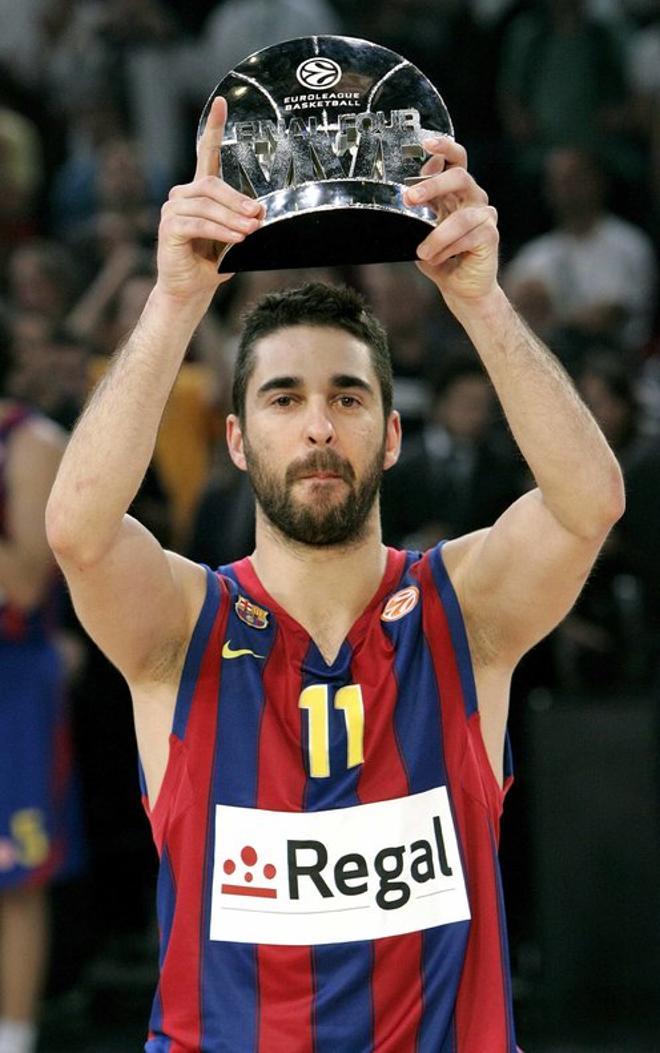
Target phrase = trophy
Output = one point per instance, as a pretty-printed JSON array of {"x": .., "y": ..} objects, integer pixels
[{"x": 326, "y": 133}]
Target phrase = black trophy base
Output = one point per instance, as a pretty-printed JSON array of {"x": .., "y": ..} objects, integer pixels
[{"x": 333, "y": 232}]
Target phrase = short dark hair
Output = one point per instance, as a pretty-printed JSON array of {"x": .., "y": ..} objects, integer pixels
[{"x": 312, "y": 304}]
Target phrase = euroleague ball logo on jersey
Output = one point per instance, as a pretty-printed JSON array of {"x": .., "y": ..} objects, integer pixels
[
  {"x": 400, "y": 604},
  {"x": 319, "y": 73}
]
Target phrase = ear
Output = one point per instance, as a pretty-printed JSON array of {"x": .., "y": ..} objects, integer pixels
[
  {"x": 234, "y": 434},
  {"x": 393, "y": 436}
]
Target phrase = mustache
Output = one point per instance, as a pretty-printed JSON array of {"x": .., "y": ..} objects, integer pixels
[{"x": 320, "y": 461}]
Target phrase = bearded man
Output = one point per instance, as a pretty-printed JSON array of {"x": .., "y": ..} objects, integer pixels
[{"x": 322, "y": 725}]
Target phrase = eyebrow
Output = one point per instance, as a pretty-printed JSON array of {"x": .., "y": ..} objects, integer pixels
[{"x": 338, "y": 380}]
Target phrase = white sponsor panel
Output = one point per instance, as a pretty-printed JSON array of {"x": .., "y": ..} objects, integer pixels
[{"x": 360, "y": 873}]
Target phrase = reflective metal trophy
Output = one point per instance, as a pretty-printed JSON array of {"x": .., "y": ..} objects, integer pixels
[{"x": 326, "y": 132}]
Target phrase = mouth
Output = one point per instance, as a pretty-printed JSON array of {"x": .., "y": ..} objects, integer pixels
[{"x": 322, "y": 476}]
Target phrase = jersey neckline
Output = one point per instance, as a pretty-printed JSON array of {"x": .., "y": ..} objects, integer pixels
[{"x": 248, "y": 579}]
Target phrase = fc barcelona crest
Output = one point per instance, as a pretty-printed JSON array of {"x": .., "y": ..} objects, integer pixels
[{"x": 254, "y": 616}]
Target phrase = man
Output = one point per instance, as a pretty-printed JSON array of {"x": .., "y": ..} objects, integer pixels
[
  {"x": 35, "y": 804},
  {"x": 323, "y": 796},
  {"x": 594, "y": 274}
]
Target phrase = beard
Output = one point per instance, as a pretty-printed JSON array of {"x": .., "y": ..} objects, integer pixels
[{"x": 324, "y": 520}]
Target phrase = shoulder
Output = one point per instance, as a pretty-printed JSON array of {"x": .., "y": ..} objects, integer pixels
[
  {"x": 36, "y": 439},
  {"x": 536, "y": 252},
  {"x": 620, "y": 233}
]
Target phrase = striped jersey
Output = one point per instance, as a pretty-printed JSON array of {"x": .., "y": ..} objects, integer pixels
[{"x": 328, "y": 834}]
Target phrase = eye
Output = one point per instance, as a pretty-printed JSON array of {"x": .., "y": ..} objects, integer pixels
[
  {"x": 282, "y": 401},
  {"x": 348, "y": 401}
]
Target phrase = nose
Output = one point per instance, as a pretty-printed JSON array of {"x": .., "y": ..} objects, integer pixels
[{"x": 319, "y": 429}]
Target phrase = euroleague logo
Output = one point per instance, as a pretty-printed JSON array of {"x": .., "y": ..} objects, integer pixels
[
  {"x": 402, "y": 603},
  {"x": 319, "y": 73}
]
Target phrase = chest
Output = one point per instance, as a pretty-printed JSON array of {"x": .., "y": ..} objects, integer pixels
[{"x": 295, "y": 731}]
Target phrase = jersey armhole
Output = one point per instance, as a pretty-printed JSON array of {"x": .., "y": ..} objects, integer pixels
[
  {"x": 495, "y": 793},
  {"x": 159, "y": 815}
]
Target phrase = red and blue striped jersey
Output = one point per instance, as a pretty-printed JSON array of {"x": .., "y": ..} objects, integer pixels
[{"x": 328, "y": 833}]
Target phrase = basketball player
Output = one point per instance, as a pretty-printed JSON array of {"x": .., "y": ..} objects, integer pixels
[
  {"x": 322, "y": 725},
  {"x": 33, "y": 757}
]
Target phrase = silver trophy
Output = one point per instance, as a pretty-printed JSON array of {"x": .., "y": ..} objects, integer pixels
[{"x": 326, "y": 133}]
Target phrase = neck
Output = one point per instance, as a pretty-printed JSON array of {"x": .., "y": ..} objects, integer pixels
[
  {"x": 313, "y": 582},
  {"x": 581, "y": 222}
]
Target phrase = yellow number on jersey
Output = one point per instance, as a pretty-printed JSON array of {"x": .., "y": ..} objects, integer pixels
[
  {"x": 31, "y": 839},
  {"x": 315, "y": 700}
]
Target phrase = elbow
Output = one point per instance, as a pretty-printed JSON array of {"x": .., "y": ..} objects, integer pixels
[
  {"x": 80, "y": 547},
  {"x": 618, "y": 497},
  {"x": 610, "y": 503},
  {"x": 615, "y": 500},
  {"x": 58, "y": 533},
  {"x": 66, "y": 546}
]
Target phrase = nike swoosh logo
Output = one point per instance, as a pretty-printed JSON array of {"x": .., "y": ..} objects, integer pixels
[{"x": 227, "y": 651}]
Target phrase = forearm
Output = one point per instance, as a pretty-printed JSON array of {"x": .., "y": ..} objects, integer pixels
[
  {"x": 112, "y": 445},
  {"x": 567, "y": 453}
]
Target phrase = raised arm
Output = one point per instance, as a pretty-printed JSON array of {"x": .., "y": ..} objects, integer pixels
[
  {"x": 137, "y": 601},
  {"x": 517, "y": 579}
]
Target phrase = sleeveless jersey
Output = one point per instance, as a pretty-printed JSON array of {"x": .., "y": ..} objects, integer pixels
[
  {"x": 328, "y": 834},
  {"x": 40, "y": 829}
]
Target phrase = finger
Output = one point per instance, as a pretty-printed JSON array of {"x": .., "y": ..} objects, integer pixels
[
  {"x": 479, "y": 238},
  {"x": 448, "y": 233},
  {"x": 208, "y": 146},
  {"x": 446, "y": 147},
  {"x": 433, "y": 165},
  {"x": 219, "y": 191},
  {"x": 206, "y": 208},
  {"x": 454, "y": 181},
  {"x": 191, "y": 228}
]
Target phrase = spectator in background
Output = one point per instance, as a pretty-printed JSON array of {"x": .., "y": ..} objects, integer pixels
[
  {"x": 190, "y": 425},
  {"x": 594, "y": 273},
  {"x": 237, "y": 28},
  {"x": 457, "y": 474},
  {"x": 36, "y": 814},
  {"x": 127, "y": 48},
  {"x": 602, "y": 644},
  {"x": 110, "y": 200},
  {"x": 21, "y": 173},
  {"x": 644, "y": 76},
  {"x": 448, "y": 44},
  {"x": 403, "y": 300},
  {"x": 43, "y": 278},
  {"x": 563, "y": 83}
]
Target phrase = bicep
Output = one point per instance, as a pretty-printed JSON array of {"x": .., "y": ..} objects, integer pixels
[
  {"x": 518, "y": 579},
  {"x": 138, "y": 603}
]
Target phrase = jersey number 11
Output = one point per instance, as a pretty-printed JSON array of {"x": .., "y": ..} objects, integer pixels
[{"x": 315, "y": 699}]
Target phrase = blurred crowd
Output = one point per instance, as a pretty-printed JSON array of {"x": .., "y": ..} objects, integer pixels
[{"x": 558, "y": 104}]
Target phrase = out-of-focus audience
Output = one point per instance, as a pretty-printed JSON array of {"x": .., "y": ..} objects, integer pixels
[
  {"x": 594, "y": 274},
  {"x": 557, "y": 101}
]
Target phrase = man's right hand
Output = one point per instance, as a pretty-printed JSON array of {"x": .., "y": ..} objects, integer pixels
[{"x": 200, "y": 219}]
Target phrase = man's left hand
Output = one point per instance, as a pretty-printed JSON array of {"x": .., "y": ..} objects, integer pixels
[{"x": 460, "y": 254}]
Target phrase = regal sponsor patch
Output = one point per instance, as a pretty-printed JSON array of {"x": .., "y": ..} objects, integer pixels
[
  {"x": 336, "y": 876},
  {"x": 254, "y": 616},
  {"x": 400, "y": 604}
]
